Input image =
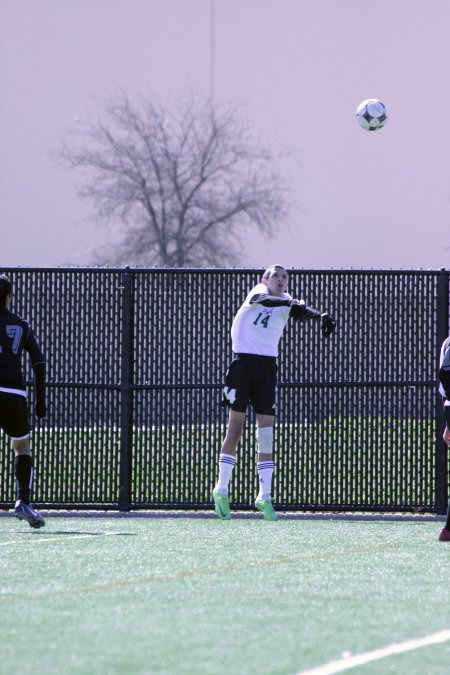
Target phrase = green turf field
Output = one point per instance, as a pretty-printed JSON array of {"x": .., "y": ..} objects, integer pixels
[{"x": 190, "y": 595}]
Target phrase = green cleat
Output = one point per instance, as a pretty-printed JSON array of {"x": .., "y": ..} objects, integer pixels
[
  {"x": 221, "y": 505},
  {"x": 266, "y": 508}
]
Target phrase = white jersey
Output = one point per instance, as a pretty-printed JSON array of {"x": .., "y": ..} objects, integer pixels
[
  {"x": 444, "y": 362},
  {"x": 257, "y": 329}
]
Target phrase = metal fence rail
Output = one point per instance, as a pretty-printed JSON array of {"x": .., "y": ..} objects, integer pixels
[{"x": 136, "y": 360}]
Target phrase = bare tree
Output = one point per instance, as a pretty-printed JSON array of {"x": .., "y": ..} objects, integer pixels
[{"x": 184, "y": 181}]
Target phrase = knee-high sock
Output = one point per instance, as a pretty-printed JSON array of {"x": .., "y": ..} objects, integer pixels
[
  {"x": 265, "y": 473},
  {"x": 23, "y": 471},
  {"x": 226, "y": 466}
]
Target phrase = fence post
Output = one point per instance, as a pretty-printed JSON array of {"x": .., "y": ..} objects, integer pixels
[
  {"x": 126, "y": 406},
  {"x": 442, "y": 330}
]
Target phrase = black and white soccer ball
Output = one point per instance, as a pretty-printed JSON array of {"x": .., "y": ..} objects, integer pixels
[{"x": 371, "y": 114}]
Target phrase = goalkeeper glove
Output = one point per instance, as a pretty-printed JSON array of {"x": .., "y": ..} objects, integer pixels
[{"x": 328, "y": 324}]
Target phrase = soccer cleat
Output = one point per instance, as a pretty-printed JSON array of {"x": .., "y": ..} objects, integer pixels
[
  {"x": 26, "y": 512},
  {"x": 444, "y": 535},
  {"x": 221, "y": 505},
  {"x": 266, "y": 508}
]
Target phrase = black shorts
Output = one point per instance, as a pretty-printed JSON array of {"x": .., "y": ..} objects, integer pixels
[
  {"x": 251, "y": 379},
  {"x": 14, "y": 415}
]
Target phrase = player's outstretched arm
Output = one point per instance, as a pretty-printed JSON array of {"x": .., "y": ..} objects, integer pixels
[{"x": 300, "y": 311}]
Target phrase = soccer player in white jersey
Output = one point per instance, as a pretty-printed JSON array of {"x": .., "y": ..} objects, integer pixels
[
  {"x": 251, "y": 379},
  {"x": 444, "y": 390}
]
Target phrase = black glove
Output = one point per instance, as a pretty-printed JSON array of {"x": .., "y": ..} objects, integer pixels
[
  {"x": 40, "y": 410},
  {"x": 328, "y": 324}
]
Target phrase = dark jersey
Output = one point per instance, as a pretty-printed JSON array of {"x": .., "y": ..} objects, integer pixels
[{"x": 16, "y": 335}]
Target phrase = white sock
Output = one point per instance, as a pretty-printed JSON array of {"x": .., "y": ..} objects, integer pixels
[
  {"x": 265, "y": 473},
  {"x": 226, "y": 466}
]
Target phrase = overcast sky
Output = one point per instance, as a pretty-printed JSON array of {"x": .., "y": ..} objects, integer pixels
[{"x": 296, "y": 69}]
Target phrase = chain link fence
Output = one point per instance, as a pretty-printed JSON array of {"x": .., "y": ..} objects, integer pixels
[{"x": 135, "y": 365}]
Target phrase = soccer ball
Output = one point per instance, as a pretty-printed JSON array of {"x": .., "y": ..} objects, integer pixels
[{"x": 371, "y": 114}]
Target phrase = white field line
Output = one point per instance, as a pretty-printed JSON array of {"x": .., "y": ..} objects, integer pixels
[
  {"x": 361, "y": 659},
  {"x": 40, "y": 540}
]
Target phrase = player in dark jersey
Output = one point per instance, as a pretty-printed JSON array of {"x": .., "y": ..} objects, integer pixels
[
  {"x": 251, "y": 379},
  {"x": 444, "y": 390},
  {"x": 16, "y": 336}
]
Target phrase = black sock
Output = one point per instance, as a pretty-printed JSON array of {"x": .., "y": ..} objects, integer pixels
[
  {"x": 23, "y": 471},
  {"x": 447, "y": 522}
]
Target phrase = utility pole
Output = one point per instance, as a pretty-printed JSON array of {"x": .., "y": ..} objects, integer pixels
[{"x": 212, "y": 48}]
